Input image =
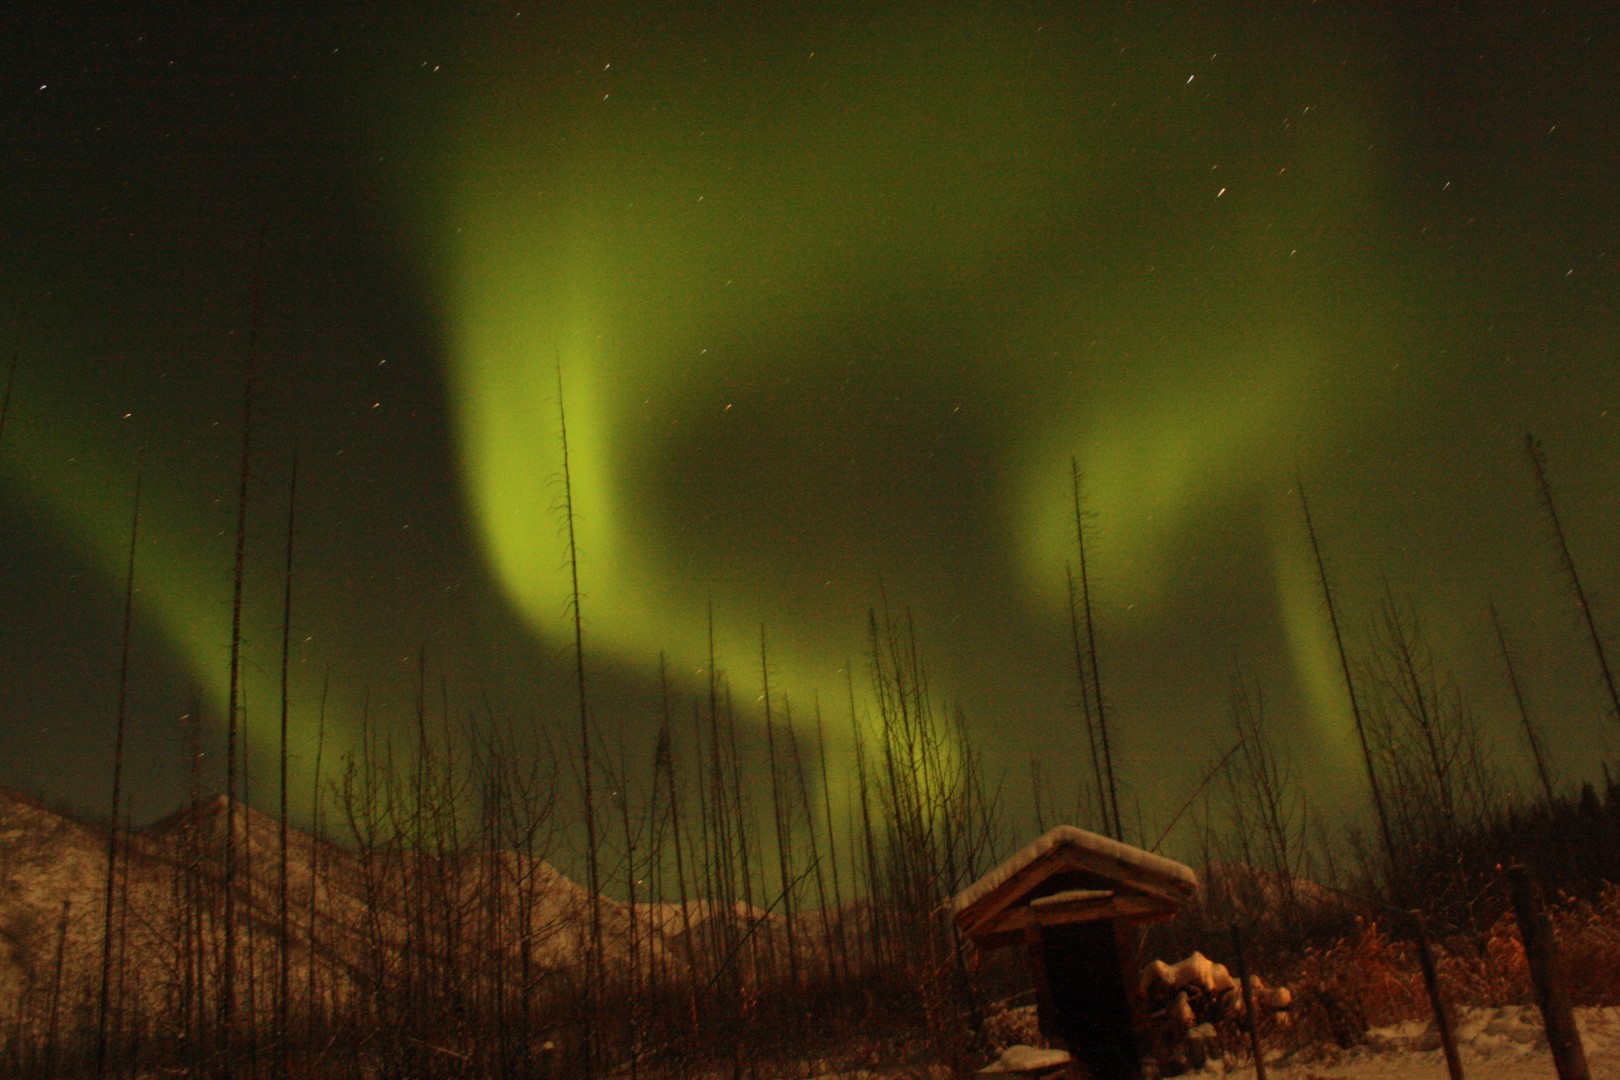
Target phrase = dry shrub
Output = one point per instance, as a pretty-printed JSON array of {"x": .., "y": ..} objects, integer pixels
[
  {"x": 1488, "y": 972},
  {"x": 1361, "y": 981},
  {"x": 1005, "y": 1027},
  {"x": 1497, "y": 972},
  {"x": 1366, "y": 979},
  {"x": 1589, "y": 938}
]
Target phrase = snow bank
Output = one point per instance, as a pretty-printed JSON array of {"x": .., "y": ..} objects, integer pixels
[
  {"x": 1496, "y": 1043},
  {"x": 1025, "y": 1059}
]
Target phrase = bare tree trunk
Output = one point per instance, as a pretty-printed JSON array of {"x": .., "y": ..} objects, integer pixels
[
  {"x": 412, "y": 838},
  {"x": 1402, "y": 638},
  {"x": 1350, "y": 690},
  {"x": 1547, "y": 972},
  {"x": 1531, "y": 736},
  {"x": 740, "y": 815},
  {"x": 54, "y": 1009},
  {"x": 1566, "y": 563},
  {"x": 1267, "y": 780},
  {"x": 283, "y": 946},
  {"x": 1099, "y": 801},
  {"x": 129, "y": 1029},
  {"x": 720, "y": 842},
  {"x": 829, "y": 955},
  {"x": 227, "y": 1017},
  {"x": 359, "y": 804},
  {"x": 876, "y": 936},
  {"x": 593, "y": 959},
  {"x": 1437, "y": 1001},
  {"x": 664, "y": 760},
  {"x": 779, "y": 815},
  {"x": 635, "y": 987},
  {"x": 488, "y": 953},
  {"x": 832, "y": 842},
  {"x": 705, "y": 870},
  {"x": 195, "y": 946},
  {"x": 1249, "y": 1011},
  {"x": 251, "y": 929},
  {"x": 104, "y": 1007},
  {"x": 11, "y": 382},
  {"x": 311, "y": 1010},
  {"x": 1037, "y": 793},
  {"x": 1113, "y": 823}
]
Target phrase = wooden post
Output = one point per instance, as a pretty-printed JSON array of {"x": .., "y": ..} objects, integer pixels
[
  {"x": 1128, "y": 946},
  {"x": 1547, "y": 972},
  {"x": 1250, "y": 1015},
  {"x": 1431, "y": 981},
  {"x": 1045, "y": 1013}
]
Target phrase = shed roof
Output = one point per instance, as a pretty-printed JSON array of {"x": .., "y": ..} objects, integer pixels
[{"x": 1078, "y": 876}]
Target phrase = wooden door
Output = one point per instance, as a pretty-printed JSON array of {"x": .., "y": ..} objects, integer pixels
[{"x": 1089, "y": 999}]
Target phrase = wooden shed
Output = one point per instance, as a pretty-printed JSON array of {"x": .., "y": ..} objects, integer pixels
[{"x": 1076, "y": 901}]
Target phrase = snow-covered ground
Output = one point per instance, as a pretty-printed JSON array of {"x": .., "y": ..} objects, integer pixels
[{"x": 1505, "y": 1043}]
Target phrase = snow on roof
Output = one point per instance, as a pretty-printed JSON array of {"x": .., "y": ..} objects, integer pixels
[
  {"x": 1026, "y": 1059},
  {"x": 1073, "y": 896},
  {"x": 1145, "y": 861}
]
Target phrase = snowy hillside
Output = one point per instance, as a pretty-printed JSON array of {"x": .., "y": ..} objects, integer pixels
[{"x": 53, "y": 878}]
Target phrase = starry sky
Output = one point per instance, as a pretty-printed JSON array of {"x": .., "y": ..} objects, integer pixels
[{"x": 833, "y": 296}]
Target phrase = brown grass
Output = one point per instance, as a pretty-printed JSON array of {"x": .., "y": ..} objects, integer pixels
[{"x": 1369, "y": 977}]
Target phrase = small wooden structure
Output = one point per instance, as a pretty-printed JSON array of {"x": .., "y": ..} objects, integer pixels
[{"x": 1076, "y": 901}]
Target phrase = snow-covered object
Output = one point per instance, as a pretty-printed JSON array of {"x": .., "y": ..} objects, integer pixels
[
  {"x": 1270, "y": 997},
  {"x": 1196, "y": 969},
  {"x": 1181, "y": 1012},
  {"x": 1175, "y": 881},
  {"x": 1025, "y": 1060},
  {"x": 1157, "y": 973},
  {"x": 1191, "y": 1001},
  {"x": 1198, "y": 985}
]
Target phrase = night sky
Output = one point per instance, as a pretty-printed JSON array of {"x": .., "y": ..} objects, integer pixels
[{"x": 835, "y": 297}]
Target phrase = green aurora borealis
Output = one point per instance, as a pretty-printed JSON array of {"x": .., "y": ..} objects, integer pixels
[{"x": 835, "y": 296}]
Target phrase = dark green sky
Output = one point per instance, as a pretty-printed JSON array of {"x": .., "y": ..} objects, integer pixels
[{"x": 836, "y": 297}]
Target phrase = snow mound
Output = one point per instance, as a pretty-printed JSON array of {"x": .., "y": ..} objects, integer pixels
[
  {"x": 1506, "y": 1042},
  {"x": 1025, "y": 1059}
]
